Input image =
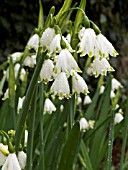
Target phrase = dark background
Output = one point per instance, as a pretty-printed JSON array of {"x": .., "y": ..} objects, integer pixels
[{"x": 18, "y": 18}]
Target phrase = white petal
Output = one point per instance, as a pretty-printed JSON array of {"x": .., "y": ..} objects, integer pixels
[
  {"x": 16, "y": 56},
  {"x": 2, "y": 158},
  {"x": 66, "y": 62},
  {"x": 88, "y": 44},
  {"x": 22, "y": 159},
  {"x": 60, "y": 86},
  {"x": 47, "y": 37},
  {"x": 11, "y": 163},
  {"x": 46, "y": 72},
  {"x": 55, "y": 44},
  {"x": 33, "y": 42},
  {"x": 87, "y": 100},
  {"x": 49, "y": 106},
  {"x": 78, "y": 84},
  {"x": 105, "y": 46},
  {"x": 83, "y": 124},
  {"x": 30, "y": 61},
  {"x": 115, "y": 84},
  {"x": 118, "y": 118}
]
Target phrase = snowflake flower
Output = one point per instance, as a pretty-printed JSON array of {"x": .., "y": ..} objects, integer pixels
[
  {"x": 60, "y": 86},
  {"x": 84, "y": 124},
  {"x": 47, "y": 70},
  {"x": 49, "y": 106},
  {"x": 78, "y": 84},
  {"x": 22, "y": 159},
  {"x": 87, "y": 100},
  {"x": 30, "y": 61},
  {"x": 33, "y": 42}
]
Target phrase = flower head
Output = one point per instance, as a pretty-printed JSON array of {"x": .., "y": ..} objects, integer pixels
[
  {"x": 46, "y": 72},
  {"x": 105, "y": 46},
  {"x": 55, "y": 44},
  {"x": 47, "y": 38},
  {"x": 30, "y": 61},
  {"x": 88, "y": 43},
  {"x": 22, "y": 159},
  {"x": 49, "y": 106},
  {"x": 60, "y": 86},
  {"x": 115, "y": 84},
  {"x": 33, "y": 42},
  {"x": 78, "y": 84},
  {"x": 66, "y": 62},
  {"x": 101, "y": 67},
  {"x": 84, "y": 125},
  {"x": 11, "y": 163},
  {"x": 118, "y": 118},
  {"x": 16, "y": 56},
  {"x": 87, "y": 100}
]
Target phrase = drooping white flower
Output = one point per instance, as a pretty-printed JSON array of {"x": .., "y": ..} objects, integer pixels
[
  {"x": 81, "y": 33},
  {"x": 60, "y": 86},
  {"x": 16, "y": 56},
  {"x": 55, "y": 44},
  {"x": 66, "y": 62},
  {"x": 22, "y": 74},
  {"x": 3, "y": 153},
  {"x": 6, "y": 95},
  {"x": 101, "y": 67},
  {"x": 11, "y": 163},
  {"x": 68, "y": 38},
  {"x": 78, "y": 100},
  {"x": 88, "y": 43},
  {"x": 61, "y": 107},
  {"x": 105, "y": 46},
  {"x": 22, "y": 159},
  {"x": 112, "y": 94},
  {"x": 47, "y": 38},
  {"x": 115, "y": 84},
  {"x": 87, "y": 100},
  {"x": 33, "y": 42},
  {"x": 16, "y": 69},
  {"x": 49, "y": 106},
  {"x": 118, "y": 118},
  {"x": 102, "y": 89},
  {"x": 84, "y": 124},
  {"x": 25, "y": 137},
  {"x": 30, "y": 61},
  {"x": 20, "y": 103},
  {"x": 46, "y": 72},
  {"x": 78, "y": 84}
]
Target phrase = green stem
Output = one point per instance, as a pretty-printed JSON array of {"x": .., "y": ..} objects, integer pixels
[
  {"x": 29, "y": 165},
  {"x": 110, "y": 142},
  {"x": 42, "y": 98},
  {"x": 25, "y": 108},
  {"x": 125, "y": 135}
]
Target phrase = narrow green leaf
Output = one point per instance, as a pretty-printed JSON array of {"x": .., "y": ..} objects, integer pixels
[
  {"x": 29, "y": 164},
  {"x": 125, "y": 136},
  {"x": 41, "y": 16},
  {"x": 85, "y": 154},
  {"x": 70, "y": 148}
]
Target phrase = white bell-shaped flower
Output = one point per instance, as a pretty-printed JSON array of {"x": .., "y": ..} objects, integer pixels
[
  {"x": 22, "y": 74},
  {"x": 46, "y": 72},
  {"x": 88, "y": 44},
  {"x": 102, "y": 89},
  {"x": 16, "y": 69},
  {"x": 115, "y": 84},
  {"x": 78, "y": 84},
  {"x": 112, "y": 94},
  {"x": 55, "y": 44},
  {"x": 105, "y": 46},
  {"x": 30, "y": 61},
  {"x": 49, "y": 106},
  {"x": 6, "y": 95},
  {"x": 47, "y": 38},
  {"x": 20, "y": 103},
  {"x": 118, "y": 118},
  {"x": 101, "y": 67},
  {"x": 3, "y": 153},
  {"x": 84, "y": 125},
  {"x": 66, "y": 62},
  {"x": 11, "y": 163},
  {"x": 25, "y": 137},
  {"x": 60, "y": 86},
  {"x": 16, "y": 56},
  {"x": 33, "y": 42},
  {"x": 87, "y": 100},
  {"x": 22, "y": 159},
  {"x": 78, "y": 100}
]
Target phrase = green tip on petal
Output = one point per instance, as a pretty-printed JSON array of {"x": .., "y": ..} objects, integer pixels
[
  {"x": 90, "y": 54},
  {"x": 60, "y": 95}
]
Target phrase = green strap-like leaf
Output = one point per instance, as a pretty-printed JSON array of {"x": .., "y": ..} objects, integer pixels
[{"x": 70, "y": 149}]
